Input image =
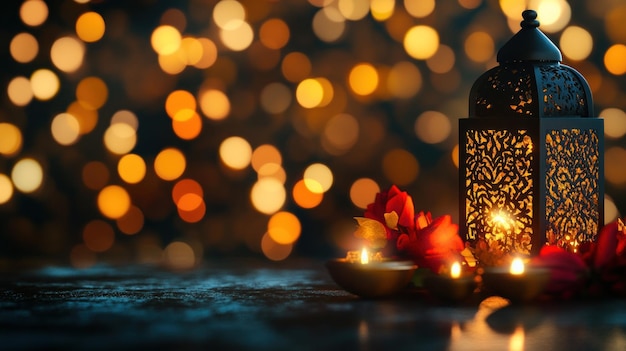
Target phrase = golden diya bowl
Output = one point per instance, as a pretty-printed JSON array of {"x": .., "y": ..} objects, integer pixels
[
  {"x": 516, "y": 287},
  {"x": 372, "y": 279},
  {"x": 450, "y": 289}
]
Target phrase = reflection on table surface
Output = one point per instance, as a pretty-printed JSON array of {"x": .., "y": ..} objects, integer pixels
[{"x": 246, "y": 304}]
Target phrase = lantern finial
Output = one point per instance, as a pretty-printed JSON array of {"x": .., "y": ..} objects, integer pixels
[
  {"x": 529, "y": 44},
  {"x": 530, "y": 19}
]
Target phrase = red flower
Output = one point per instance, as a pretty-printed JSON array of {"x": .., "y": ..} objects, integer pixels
[
  {"x": 432, "y": 244},
  {"x": 611, "y": 246},
  {"x": 568, "y": 271},
  {"x": 608, "y": 258},
  {"x": 388, "y": 202},
  {"x": 392, "y": 200}
]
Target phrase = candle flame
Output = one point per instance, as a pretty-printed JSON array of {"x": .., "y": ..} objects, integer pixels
[
  {"x": 455, "y": 270},
  {"x": 517, "y": 266},
  {"x": 365, "y": 258}
]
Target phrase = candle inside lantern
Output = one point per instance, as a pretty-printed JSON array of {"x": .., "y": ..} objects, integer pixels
[
  {"x": 365, "y": 259},
  {"x": 517, "y": 266}
]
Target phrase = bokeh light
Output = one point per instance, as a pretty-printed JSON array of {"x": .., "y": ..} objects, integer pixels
[
  {"x": 363, "y": 79},
  {"x": 328, "y": 24},
  {"x": 113, "y": 201},
  {"x": 363, "y": 192},
  {"x": 274, "y": 33},
  {"x": 421, "y": 42},
  {"x": 6, "y": 189},
  {"x": 400, "y": 167},
  {"x": 340, "y": 134},
  {"x": 34, "y": 12},
  {"x": 229, "y": 14},
  {"x": 189, "y": 126},
  {"x": 273, "y": 250},
  {"x": 165, "y": 40},
  {"x": 268, "y": 195},
  {"x": 19, "y": 91},
  {"x": 98, "y": 236},
  {"x": 214, "y": 104},
  {"x": 235, "y": 152},
  {"x": 284, "y": 228},
  {"x": 87, "y": 118},
  {"x": 179, "y": 256},
  {"x": 276, "y": 98},
  {"x": 120, "y": 138},
  {"x": 614, "y": 122},
  {"x": 420, "y": 8},
  {"x": 614, "y": 59},
  {"x": 479, "y": 47},
  {"x": 404, "y": 80},
  {"x": 170, "y": 164},
  {"x": 24, "y": 47},
  {"x": 67, "y": 54},
  {"x": 318, "y": 178},
  {"x": 304, "y": 197},
  {"x": 131, "y": 222},
  {"x": 432, "y": 127},
  {"x": 65, "y": 129},
  {"x": 131, "y": 168},
  {"x": 382, "y": 9},
  {"x": 44, "y": 83},
  {"x": 27, "y": 175},
  {"x": 615, "y": 165},
  {"x": 237, "y": 38},
  {"x": 90, "y": 27},
  {"x": 92, "y": 92},
  {"x": 576, "y": 43},
  {"x": 10, "y": 139}
]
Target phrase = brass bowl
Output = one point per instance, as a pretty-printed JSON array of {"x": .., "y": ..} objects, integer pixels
[
  {"x": 517, "y": 288},
  {"x": 373, "y": 279}
]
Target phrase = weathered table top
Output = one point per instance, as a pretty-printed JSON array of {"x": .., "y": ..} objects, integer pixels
[{"x": 246, "y": 304}]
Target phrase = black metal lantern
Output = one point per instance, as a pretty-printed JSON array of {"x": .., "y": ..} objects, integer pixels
[{"x": 531, "y": 166}]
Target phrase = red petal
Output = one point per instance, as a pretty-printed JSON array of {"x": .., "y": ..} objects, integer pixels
[{"x": 606, "y": 245}]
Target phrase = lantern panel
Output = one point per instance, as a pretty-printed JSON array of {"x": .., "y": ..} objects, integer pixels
[
  {"x": 504, "y": 92},
  {"x": 572, "y": 186},
  {"x": 499, "y": 189},
  {"x": 562, "y": 90}
]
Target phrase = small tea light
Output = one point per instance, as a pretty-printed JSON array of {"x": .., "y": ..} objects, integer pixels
[
  {"x": 452, "y": 287},
  {"x": 370, "y": 276},
  {"x": 517, "y": 282}
]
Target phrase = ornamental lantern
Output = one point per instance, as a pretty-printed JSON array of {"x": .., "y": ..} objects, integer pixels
[{"x": 531, "y": 166}]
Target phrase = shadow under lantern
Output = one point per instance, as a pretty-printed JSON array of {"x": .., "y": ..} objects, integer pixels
[{"x": 531, "y": 154}]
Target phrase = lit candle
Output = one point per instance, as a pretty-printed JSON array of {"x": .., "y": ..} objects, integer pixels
[
  {"x": 517, "y": 266},
  {"x": 365, "y": 258},
  {"x": 370, "y": 276},
  {"x": 455, "y": 270},
  {"x": 453, "y": 287},
  {"x": 516, "y": 283}
]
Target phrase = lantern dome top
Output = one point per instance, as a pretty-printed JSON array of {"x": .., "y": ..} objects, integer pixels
[
  {"x": 529, "y": 44},
  {"x": 530, "y": 80}
]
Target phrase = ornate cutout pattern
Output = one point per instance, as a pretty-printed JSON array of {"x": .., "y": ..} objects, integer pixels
[
  {"x": 499, "y": 189},
  {"x": 563, "y": 94},
  {"x": 572, "y": 190}
]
